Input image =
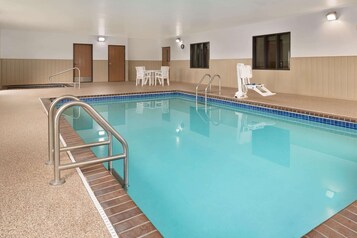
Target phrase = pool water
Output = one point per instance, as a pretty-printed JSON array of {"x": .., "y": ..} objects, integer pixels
[{"x": 219, "y": 171}]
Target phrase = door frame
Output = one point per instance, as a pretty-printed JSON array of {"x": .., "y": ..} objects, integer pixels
[
  {"x": 74, "y": 73},
  {"x": 124, "y": 61},
  {"x": 166, "y": 47}
]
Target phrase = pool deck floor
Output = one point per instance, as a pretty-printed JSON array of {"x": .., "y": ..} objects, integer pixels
[{"x": 30, "y": 207}]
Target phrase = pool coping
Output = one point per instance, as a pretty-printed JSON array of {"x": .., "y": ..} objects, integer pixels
[
  {"x": 342, "y": 224},
  {"x": 305, "y": 114}
]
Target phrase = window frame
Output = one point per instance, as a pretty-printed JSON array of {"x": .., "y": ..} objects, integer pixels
[
  {"x": 208, "y": 55},
  {"x": 277, "y": 51}
]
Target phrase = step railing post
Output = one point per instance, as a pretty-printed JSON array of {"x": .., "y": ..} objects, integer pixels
[
  {"x": 51, "y": 112},
  {"x": 110, "y": 152},
  {"x": 57, "y": 174}
]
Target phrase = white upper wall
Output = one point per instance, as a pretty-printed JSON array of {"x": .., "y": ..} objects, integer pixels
[
  {"x": 17, "y": 44},
  {"x": 311, "y": 35},
  {"x": 144, "y": 49}
]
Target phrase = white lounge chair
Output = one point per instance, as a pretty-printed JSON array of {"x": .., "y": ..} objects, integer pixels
[
  {"x": 162, "y": 75},
  {"x": 244, "y": 74}
]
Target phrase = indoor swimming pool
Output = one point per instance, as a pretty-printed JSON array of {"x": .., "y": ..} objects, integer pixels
[{"x": 227, "y": 170}]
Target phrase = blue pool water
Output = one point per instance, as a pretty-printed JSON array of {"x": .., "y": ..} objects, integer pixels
[{"x": 227, "y": 172}]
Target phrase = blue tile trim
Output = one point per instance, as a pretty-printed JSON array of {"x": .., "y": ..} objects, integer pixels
[{"x": 234, "y": 104}]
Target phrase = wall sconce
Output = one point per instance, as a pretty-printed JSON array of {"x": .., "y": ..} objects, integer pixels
[
  {"x": 331, "y": 16},
  {"x": 180, "y": 42},
  {"x": 101, "y": 39}
]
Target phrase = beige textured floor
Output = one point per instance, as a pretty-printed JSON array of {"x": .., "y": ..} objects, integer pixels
[{"x": 29, "y": 207}]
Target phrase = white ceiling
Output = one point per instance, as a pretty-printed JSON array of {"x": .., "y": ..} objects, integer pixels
[{"x": 150, "y": 18}]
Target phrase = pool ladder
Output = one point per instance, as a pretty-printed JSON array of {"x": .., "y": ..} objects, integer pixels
[
  {"x": 209, "y": 86},
  {"x": 54, "y": 147}
]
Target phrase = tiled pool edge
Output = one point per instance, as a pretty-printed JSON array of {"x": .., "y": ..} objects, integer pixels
[
  {"x": 288, "y": 112},
  {"x": 125, "y": 217},
  {"x": 342, "y": 224}
]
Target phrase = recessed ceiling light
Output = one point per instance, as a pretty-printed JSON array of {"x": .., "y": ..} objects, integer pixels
[
  {"x": 331, "y": 16},
  {"x": 178, "y": 40},
  {"x": 101, "y": 39}
]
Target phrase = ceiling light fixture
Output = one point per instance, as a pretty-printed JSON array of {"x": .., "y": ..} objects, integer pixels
[
  {"x": 180, "y": 42},
  {"x": 101, "y": 39},
  {"x": 331, "y": 16}
]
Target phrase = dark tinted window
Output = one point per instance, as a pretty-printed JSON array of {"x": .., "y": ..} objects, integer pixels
[
  {"x": 271, "y": 51},
  {"x": 199, "y": 55},
  {"x": 259, "y": 53},
  {"x": 284, "y": 51}
]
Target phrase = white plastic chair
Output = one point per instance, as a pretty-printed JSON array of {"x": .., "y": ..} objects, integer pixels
[
  {"x": 148, "y": 77},
  {"x": 141, "y": 75},
  {"x": 162, "y": 75}
]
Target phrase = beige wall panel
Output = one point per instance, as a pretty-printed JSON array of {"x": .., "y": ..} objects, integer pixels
[
  {"x": 100, "y": 70},
  {"x": 337, "y": 80},
  {"x": 351, "y": 72},
  {"x": 0, "y": 75},
  {"x": 181, "y": 71},
  {"x": 149, "y": 64},
  {"x": 342, "y": 74},
  {"x": 300, "y": 77},
  {"x": 126, "y": 70},
  {"x": 331, "y": 77},
  {"x": 324, "y": 76},
  {"x": 283, "y": 82},
  {"x": 37, "y": 71},
  {"x": 33, "y": 71}
]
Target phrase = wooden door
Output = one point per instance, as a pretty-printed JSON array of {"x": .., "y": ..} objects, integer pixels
[
  {"x": 165, "y": 56},
  {"x": 116, "y": 63},
  {"x": 83, "y": 59}
]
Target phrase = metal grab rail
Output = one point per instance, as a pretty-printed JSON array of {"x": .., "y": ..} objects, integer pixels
[
  {"x": 110, "y": 132},
  {"x": 65, "y": 71},
  {"x": 209, "y": 85},
  {"x": 51, "y": 126},
  {"x": 199, "y": 83}
]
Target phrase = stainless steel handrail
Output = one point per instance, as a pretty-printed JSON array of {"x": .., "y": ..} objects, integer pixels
[
  {"x": 65, "y": 71},
  {"x": 50, "y": 124},
  {"x": 209, "y": 85},
  {"x": 110, "y": 132},
  {"x": 199, "y": 83}
]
